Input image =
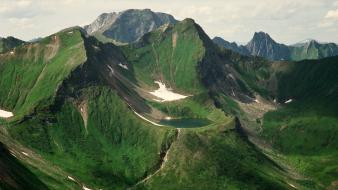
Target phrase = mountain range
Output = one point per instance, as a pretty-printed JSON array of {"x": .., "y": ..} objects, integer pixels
[
  {"x": 264, "y": 46},
  {"x": 168, "y": 110}
]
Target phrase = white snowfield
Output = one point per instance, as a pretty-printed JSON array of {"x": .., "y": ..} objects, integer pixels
[
  {"x": 166, "y": 94},
  {"x": 5, "y": 114}
]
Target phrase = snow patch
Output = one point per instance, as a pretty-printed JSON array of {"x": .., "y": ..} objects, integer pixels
[
  {"x": 12, "y": 52},
  {"x": 71, "y": 32},
  {"x": 166, "y": 94},
  {"x": 5, "y": 114},
  {"x": 69, "y": 177},
  {"x": 24, "y": 153},
  {"x": 288, "y": 101},
  {"x": 291, "y": 185},
  {"x": 111, "y": 69},
  {"x": 123, "y": 66}
]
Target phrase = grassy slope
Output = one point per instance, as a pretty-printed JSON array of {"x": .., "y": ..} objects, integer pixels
[
  {"x": 306, "y": 131},
  {"x": 32, "y": 75},
  {"x": 215, "y": 158},
  {"x": 163, "y": 56},
  {"x": 115, "y": 148}
]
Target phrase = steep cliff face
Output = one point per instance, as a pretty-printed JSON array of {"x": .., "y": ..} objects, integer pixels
[
  {"x": 129, "y": 25},
  {"x": 264, "y": 46}
]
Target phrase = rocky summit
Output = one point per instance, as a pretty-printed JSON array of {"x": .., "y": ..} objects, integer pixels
[{"x": 127, "y": 26}]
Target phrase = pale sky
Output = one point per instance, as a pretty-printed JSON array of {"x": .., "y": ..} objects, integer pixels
[{"x": 287, "y": 21}]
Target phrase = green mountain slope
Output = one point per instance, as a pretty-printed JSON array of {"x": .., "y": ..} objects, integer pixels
[
  {"x": 85, "y": 116},
  {"x": 306, "y": 130},
  {"x": 76, "y": 110},
  {"x": 161, "y": 55},
  {"x": 32, "y": 74}
]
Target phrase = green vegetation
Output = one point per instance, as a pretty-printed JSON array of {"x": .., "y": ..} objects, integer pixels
[
  {"x": 115, "y": 149},
  {"x": 32, "y": 76},
  {"x": 75, "y": 110},
  {"x": 162, "y": 55},
  {"x": 218, "y": 158},
  {"x": 306, "y": 130}
]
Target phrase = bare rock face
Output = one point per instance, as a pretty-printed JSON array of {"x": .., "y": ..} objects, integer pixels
[
  {"x": 264, "y": 46},
  {"x": 129, "y": 25},
  {"x": 102, "y": 23}
]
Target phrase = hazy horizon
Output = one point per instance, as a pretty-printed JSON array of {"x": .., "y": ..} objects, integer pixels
[{"x": 287, "y": 22}]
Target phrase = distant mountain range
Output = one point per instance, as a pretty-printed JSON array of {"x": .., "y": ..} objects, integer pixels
[
  {"x": 127, "y": 26},
  {"x": 264, "y": 46}
]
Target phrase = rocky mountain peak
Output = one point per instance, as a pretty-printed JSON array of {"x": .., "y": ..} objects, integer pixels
[
  {"x": 129, "y": 25},
  {"x": 263, "y": 45}
]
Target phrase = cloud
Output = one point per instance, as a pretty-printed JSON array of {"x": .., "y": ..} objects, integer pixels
[
  {"x": 21, "y": 9},
  {"x": 235, "y": 20},
  {"x": 332, "y": 14}
]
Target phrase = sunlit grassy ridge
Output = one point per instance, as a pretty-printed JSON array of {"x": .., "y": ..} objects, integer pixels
[
  {"x": 162, "y": 55},
  {"x": 32, "y": 75}
]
